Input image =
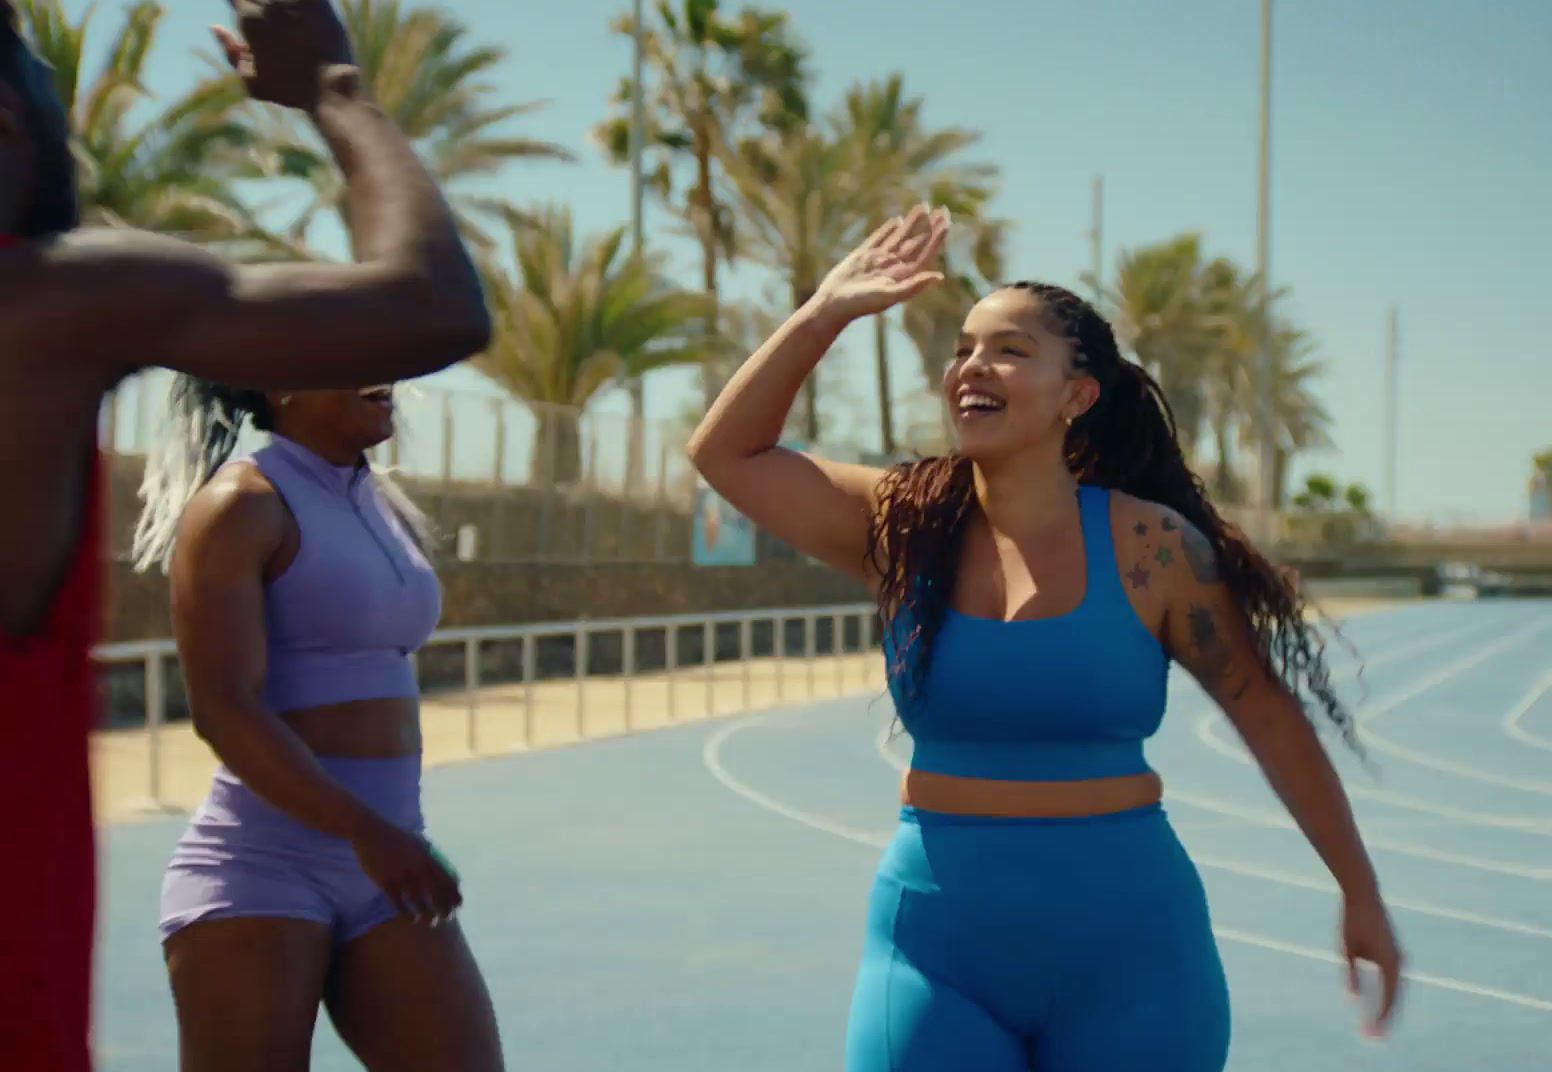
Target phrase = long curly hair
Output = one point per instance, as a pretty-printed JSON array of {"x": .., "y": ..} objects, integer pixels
[
  {"x": 1126, "y": 442},
  {"x": 53, "y": 208}
]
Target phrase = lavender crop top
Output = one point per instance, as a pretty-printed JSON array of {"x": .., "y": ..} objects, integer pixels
[{"x": 358, "y": 599}]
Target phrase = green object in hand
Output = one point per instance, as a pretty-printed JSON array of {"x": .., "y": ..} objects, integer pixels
[{"x": 447, "y": 864}]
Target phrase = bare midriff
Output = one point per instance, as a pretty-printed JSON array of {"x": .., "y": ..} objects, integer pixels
[
  {"x": 360, "y": 729},
  {"x": 956, "y": 795}
]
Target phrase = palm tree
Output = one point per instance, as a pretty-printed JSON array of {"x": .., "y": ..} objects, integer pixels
[
  {"x": 1157, "y": 305},
  {"x": 422, "y": 70},
  {"x": 1200, "y": 327},
  {"x": 1319, "y": 495},
  {"x": 973, "y": 261},
  {"x": 715, "y": 80},
  {"x": 1300, "y": 422},
  {"x": 1357, "y": 498},
  {"x": 923, "y": 166},
  {"x": 577, "y": 318},
  {"x": 172, "y": 173},
  {"x": 805, "y": 198},
  {"x": 1231, "y": 311}
]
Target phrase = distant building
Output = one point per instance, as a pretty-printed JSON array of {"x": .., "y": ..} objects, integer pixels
[{"x": 1540, "y": 498}]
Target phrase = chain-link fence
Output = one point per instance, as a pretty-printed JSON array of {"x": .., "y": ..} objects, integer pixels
[{"x": 502, "y": 480}]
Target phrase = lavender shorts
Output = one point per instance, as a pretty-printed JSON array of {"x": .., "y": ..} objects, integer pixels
[{"x": 241, "y": 856}]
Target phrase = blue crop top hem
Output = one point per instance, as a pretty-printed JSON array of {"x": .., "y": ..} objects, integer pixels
[{"x": 1030, "y": 761}]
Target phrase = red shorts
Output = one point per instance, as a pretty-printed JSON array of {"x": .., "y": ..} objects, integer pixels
[{"x": 47, "y": 906}]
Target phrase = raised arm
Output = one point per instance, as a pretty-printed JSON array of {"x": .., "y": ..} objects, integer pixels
[
  {"x": 1207, "y": 633},
  {"x": 823, "y": 508},
  {"x": 411, "y": 305}
]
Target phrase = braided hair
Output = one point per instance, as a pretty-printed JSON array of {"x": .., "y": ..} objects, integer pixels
[
  {"x": 1126, "y": 441},
  {"x": 53, "y": 207},
  {"x": 204, "y": 422}
]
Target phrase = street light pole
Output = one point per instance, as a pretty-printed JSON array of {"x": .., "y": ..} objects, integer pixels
[
  {"x": 635, "y": 448},
  {"x": 637, "y": 132},
  {"x": 1390, "y": 415},
  {"x": 1267, "y": 438}
]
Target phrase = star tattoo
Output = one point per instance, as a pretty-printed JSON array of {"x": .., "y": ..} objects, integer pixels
[
  {"x": 1140, "y": 528},
  {"x": 1138, "y": 576},
  {"x": 1167, "y": 525},
  {"x": 1165, "y": 556}
]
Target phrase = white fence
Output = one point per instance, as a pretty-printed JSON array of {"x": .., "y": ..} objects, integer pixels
[
  {"x": 576, "y": 472},
  {"x": 153, "y": 656}
]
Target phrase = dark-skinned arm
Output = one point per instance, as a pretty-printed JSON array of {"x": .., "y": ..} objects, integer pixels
[
  {"x": 1206, "y": 632},
  {"x": 820, "y": 507},
  {"x": 227, "y": 534},
  {"x": 229, "y": 531},
  {"x": 412, "y": 304}
]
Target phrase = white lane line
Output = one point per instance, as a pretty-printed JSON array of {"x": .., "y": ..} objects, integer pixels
[
  {"x": 1207, "y": 732},
  {"x": 1428, "y": 643},
  {"x": 1371, "y": 714},
  {"x": 1443, "y": 982},
  {"x": 1421, "y": 908},
  {"x": 1205, "y": 726},
  {"x": 1280, "y": 821},
  {"x": 711, "y": 757},
  {"x": 1511, "y": 722}
]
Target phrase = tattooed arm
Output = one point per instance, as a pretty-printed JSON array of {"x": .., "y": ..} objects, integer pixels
[{"x": 1206, "y": 631}]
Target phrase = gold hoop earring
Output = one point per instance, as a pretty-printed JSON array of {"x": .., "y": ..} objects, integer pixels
[
  {"x": 1068, "y": 420},
  {"x": 285, "y": 400}
]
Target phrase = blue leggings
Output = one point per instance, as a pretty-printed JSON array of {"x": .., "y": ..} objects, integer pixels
[{"x": 1062, "y": 945}]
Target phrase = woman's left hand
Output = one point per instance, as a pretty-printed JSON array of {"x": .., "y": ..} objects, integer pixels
[{"x": 1367, "y": 936}]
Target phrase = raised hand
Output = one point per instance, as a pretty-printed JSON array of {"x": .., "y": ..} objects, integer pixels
[
  {"x": 287, "y": 51},
  {"x": 892, "y": 266}
]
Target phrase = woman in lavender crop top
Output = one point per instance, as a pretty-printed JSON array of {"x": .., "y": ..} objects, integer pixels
[{"x": 301, "y": 591}]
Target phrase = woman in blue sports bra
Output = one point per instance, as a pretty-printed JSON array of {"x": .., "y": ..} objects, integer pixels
[{"x": 1035, "y": 908}]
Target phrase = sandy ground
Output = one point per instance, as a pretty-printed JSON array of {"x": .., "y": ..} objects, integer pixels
[{"x": 497, "y": 720}]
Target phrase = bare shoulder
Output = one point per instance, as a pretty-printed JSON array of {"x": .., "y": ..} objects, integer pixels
[
  {"x": 1150, "y": 530},
  {"x": 239, "y": 509}
]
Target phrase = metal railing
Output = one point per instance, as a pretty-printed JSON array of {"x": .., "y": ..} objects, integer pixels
[{"x": 154, "y": 655}]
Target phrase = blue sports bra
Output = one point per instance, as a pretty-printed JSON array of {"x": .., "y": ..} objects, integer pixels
[{"x": 1045, "y": 699}]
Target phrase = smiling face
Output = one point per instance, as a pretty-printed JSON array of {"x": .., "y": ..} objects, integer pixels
[
  {"x": 1012, "y": 385},
  {"x": 354, "y": 420}
]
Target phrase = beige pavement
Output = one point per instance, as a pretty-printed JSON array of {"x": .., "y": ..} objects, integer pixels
[
  {"x": 505, "y": 719},
  {"x": 513, "y": 718}
]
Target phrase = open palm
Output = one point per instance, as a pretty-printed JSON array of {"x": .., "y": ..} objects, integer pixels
[{"x": 892, "y": 266}]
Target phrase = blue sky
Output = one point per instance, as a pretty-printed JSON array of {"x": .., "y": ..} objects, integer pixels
[{"x": 1408, "y": 138}]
